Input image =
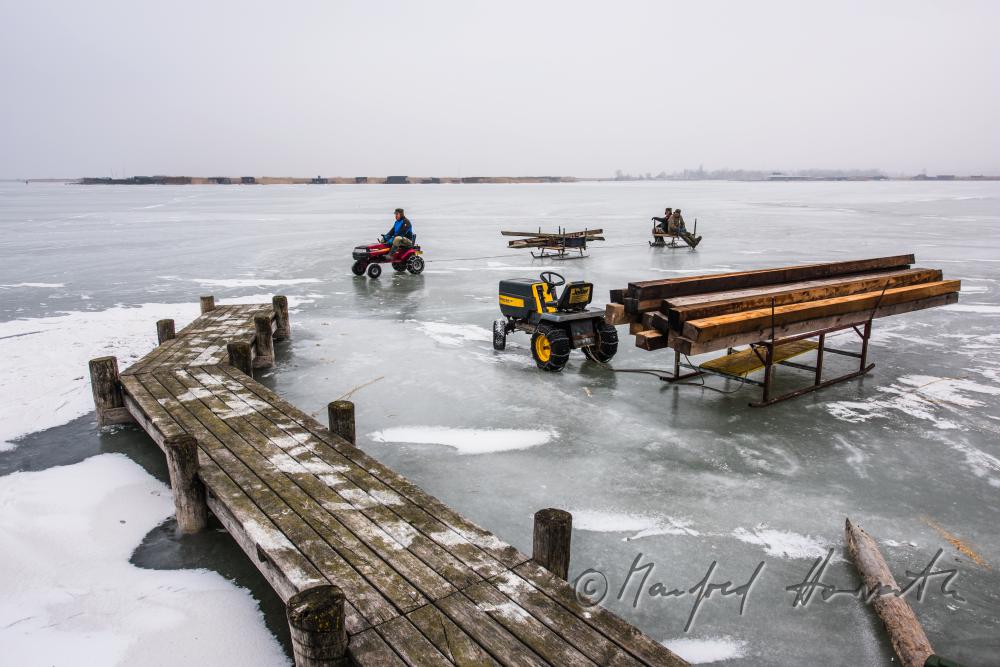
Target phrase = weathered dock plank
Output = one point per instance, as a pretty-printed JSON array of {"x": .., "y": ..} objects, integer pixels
[{"x": 409, "y": 580}]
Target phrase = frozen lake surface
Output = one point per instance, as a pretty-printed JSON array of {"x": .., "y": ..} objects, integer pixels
[{"x": 677, "y": 476}]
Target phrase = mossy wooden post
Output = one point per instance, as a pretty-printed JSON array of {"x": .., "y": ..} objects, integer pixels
[
  {"x": 341, "y": 415},
  {"x": 316, "y": 622},
  {"x": 551, "y": 540},
  {"x": 263, "y": 341},
  {"x": 108, "y": 399},
  {"x": 241, "y": 356},
  {"x": 207, "y": 304},
  {"x": 282, "y": 325},
  {"x": 165, "y": 331},
  {"x": 189, "y": 492}
]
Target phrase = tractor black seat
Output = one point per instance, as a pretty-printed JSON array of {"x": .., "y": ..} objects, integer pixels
[{"x": 575, "y": 296}]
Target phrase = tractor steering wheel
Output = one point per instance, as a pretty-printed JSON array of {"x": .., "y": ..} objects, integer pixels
[{"x": 547, "y": 277}]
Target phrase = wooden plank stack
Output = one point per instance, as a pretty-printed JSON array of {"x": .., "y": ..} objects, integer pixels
[
  {"x": 542, "y": 239},
  {"x": 698, "y": 314}
]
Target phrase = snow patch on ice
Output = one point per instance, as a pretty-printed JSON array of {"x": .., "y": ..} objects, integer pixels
[
  {"x": 453, "y": 335},
  {"x": 982, "y": 309},
  {"x": 708, "y": 649},
  {"x": 38, "y": 285},
  {"x": 253, "y": 282},
  {"x": 71, "y": 597},
  {"x": 467, "y": 440},
  {"x": 783, "y": 543},
  {"x": 640, "y": 525}
]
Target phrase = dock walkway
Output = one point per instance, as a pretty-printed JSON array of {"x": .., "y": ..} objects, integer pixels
[{"x": 362, "y": 557}]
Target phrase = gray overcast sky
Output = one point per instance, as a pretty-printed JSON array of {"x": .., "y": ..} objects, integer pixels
[{"x": 498, "y": 88}]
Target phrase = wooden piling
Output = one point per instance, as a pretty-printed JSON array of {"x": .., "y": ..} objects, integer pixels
[
  {"x": 316, "y": 621},
  {"x": 341, "y": 417},
  {"x": 240, "y": 356},
  {"x": 263, "y": 341},
  {"x": 551, "y": 543},
  {"x": 283, "y": 327},
  {"x": 905, "y": 632},
  {"x": 189, "y": 492},
  {"x": 165, "y": 331},
  {"x": 207, "y": 304},
  {"x": 106, "y": 386}
]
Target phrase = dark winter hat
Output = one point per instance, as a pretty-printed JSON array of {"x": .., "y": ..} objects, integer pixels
[{"x": 398, "y": 210}]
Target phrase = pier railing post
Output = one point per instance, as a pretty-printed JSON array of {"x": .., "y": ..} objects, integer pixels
[
  {"x": 551, "y": 540},
  {"x": 264, "y": 341},
  {"x": 207, "y": 304},
  {"x": 189, "y": 492},
  {"x": 316, "y": 622},
  {"x": 165, "y": 331},
  {"x": 283, "y": 327},
  {"x": 108, "y": 399},
  {"x": 240, "y": 356},
  {"x": 341, "y": 416}
]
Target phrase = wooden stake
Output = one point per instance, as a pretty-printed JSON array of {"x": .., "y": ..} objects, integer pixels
[
  {"x": 207, "y": 304},
  {"x": 283, "y": 327},
  {"x": 189, "y": 492},
  {"x": 263, "y": 341},
  {"x": 905, "y": 633},
  {"x": 341, "y": 416},
  {"x": 551, "y": 543},
  {"x": 165, "y": 331},
  {"x": 241, "y": 356},
  {"x": 108, "y": 399},
  {"x": 316, "y": 621}
]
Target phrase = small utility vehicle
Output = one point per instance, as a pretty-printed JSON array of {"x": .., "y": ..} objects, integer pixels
[{"x": 556, "y": 324}]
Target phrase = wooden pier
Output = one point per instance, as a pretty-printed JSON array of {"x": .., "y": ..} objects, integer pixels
[{"x": 373, "y": 570}]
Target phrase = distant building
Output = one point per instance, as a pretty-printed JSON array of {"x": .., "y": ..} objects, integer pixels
[
  {"x": 397, "y": 180},
  {"x": 247, "y": 180}
]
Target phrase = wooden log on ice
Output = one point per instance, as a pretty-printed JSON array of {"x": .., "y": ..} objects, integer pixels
[
  {"x": 282, "y": 324},
  {"x": 553, "y": 532},
  {"x": 700, "y": 306},
  {"x": 189, "y": 493},
  {"x": 341, "y": 419},
  {"x": 207, "y": 304},
  {"x": 761, "y": 319},
  {"x": 106, "y": 387},
  {"x": 907, "y": 636},
  {"x": 670, "y": 287},
  {"x": 240, "y": 356},
  {"x": 316, "y": 623},
  {"x": 263, "y": 341},
  {"x": 165, "y": 331}
]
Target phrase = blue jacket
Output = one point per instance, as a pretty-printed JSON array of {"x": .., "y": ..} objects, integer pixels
[{"x": 401, "y": 227}]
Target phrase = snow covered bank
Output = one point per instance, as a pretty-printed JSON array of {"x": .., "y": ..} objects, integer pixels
[{"x": 69, "y": 596}]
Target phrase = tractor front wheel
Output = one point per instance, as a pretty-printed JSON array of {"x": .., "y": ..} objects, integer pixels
[
  {"x": 358, "y": 268},
  {"x": 607, "y": 343},
  {"x": 415, "y": 264},
  {"x": 399, "y": 267},
  {"x": 500, "y": 334},
  {"x": 374, "y": 271},
  {"x": 550, "y": 348}
]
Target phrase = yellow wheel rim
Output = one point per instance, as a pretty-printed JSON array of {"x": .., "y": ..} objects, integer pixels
[{"x": 543, "y": 349}]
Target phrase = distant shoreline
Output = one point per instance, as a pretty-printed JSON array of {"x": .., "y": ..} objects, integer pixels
[{"x": 436, "y": 180}]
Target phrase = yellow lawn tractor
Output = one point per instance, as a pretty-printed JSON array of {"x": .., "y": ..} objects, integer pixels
[{"x": 557, "y": 324}]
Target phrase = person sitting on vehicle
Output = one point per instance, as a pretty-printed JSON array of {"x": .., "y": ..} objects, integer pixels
[
  {"x": 400, "y": 235},
  {"x": 676, "y": 226},
  {"x": 661, "y": 223}
]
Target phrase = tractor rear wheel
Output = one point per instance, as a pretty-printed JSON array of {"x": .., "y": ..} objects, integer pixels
[
  {"x": 500, "y": 334},
  {"x": 399, "y": 267},
  {"x": 358, "y": 268},
  {"x": 607, "y": 343},
  {"x": 374, "y": 271},
  {"x": 415, "y": 264},
  {"x": 550, "y": 348}
]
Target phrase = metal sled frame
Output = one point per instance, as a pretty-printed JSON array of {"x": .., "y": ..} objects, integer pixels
[{"x": 765, "y": 351}]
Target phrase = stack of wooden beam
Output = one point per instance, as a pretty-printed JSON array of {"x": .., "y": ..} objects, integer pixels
[
  {"x": 542, "y": 239},
  {"x": 698, "y": 314}
]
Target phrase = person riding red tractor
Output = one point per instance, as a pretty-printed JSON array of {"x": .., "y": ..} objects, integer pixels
[{"x": 397, "y": 247}]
